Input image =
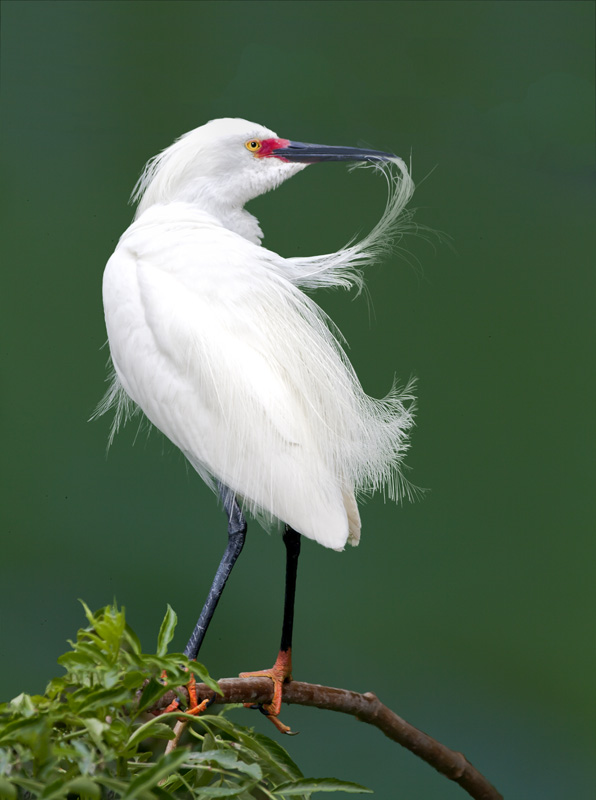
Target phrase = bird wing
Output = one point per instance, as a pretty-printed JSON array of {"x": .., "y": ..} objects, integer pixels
[{"x": 217, "y": 349}]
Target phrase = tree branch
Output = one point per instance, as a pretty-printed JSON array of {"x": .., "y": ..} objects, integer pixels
[{"x": 365, "y": 707}]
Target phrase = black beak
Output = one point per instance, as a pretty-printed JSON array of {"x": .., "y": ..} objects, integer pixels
[{"x": 311, "y": 153}]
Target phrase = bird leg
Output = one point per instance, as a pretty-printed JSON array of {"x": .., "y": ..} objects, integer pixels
[
  {"x": 194, "y": 707},
  {"x": 281, "y": 672},
  {"x": 236, "y": 538}
]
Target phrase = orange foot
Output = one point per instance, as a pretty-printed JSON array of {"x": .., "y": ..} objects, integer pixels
[
  {"x": 194, "y": 707},
  {"x": 280, "y": 673}
]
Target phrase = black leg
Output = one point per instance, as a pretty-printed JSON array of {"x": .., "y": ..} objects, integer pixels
[
  {"x": 236, "y": 537},
  {"x": 282, "y": 669},
  {"x": 292, "y": 543}
]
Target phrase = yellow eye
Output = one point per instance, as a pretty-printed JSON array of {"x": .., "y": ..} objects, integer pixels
[{"x": 253, "y": 145}]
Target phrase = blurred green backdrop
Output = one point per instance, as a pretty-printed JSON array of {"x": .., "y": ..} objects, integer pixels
[{"x": 468, "y": 613}]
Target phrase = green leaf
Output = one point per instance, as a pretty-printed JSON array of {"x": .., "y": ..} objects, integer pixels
[
  {"x": 8, "y": 791},
  {"x": 110, "y": 677},
  {"x": 111, "y": 783},
  {"x": 152, "y": 728},
  {"x": 226, "y": 791},
  {"x": 226, "y": 759},
  {"x": 134, "y": 679},
  {"x": 306, "y": 785},
  {"x": 103, "y": 698},
  {"x": 90, "y": 652},
  {"x": 88, "y": 613},
  {"x": 151, "y": 694},
  {"x": 77, "y": 660},
  {"x": 23, "y": 704},
  {"x": 173, "y": 664},
  {"x": 87, "y": 731},
  {"x": 209, "y": 742},
  {"x": 277, "y": 753},
  {"x": 107, "y": 630},
  {"x": 132, "y": 639},
  {"x": 117, "y": 733},
  {"x": 22, "y": 730},
  {"x": 166, "y": 632},
  {"x": 26, "y": 783},
  {"x": 96, "y": 729},
  {"x": 160, "y": 792},
  {"x": 203, "y": 676},
  {"x": 85, "y": 787},
  {"x": 177, "y": 780},
  {"x": 256, "y": 747},
  {"x": 151, "y": 777}
]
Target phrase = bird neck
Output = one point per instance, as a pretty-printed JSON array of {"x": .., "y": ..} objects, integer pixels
[
  {"x": 240, "y": 221},
  {"x": 200, "y": 195},
  {"x": 215, "y": 200}
]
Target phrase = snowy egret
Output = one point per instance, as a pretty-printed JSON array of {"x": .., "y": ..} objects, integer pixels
[{"x": 213, "y": 340}]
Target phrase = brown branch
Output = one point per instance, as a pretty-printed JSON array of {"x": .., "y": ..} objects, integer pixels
[{"x": 365, "y": 707}]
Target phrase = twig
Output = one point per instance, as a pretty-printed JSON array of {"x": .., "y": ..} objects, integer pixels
[
  {"x": 365, "y": 707},
  {"x": 179, "y": 729}
]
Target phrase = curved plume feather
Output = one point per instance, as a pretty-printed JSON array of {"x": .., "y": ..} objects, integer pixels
[{"x": 302, "y": 403}]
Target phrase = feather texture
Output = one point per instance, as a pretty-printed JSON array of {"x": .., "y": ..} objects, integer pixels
[{"x": 212, "y": 338}]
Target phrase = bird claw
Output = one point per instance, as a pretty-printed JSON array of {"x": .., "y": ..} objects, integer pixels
[
  {"x": 194, "y": 707},
  {"x": 280, "y": 673},
  {"x": 273, "y": 718}
]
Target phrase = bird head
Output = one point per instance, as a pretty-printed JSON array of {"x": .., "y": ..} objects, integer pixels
[{"x": 227, "y": 162}]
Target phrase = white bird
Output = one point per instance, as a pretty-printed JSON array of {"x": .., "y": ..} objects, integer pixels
[{"x": 213, "y": 339}]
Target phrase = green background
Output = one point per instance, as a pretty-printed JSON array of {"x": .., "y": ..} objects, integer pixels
[{"x": 470, "y": 613}]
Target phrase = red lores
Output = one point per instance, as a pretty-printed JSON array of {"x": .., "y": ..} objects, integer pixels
[{"x": 269, "y": 145}]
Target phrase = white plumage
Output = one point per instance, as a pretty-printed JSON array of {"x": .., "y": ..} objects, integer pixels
[{"x": 212, "y": 338}]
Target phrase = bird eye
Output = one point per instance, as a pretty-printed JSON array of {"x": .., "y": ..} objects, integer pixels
[{"x": 253, "y": 145}]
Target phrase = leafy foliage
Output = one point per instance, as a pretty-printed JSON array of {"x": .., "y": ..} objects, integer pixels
[{"x": 90, "y": 737}]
